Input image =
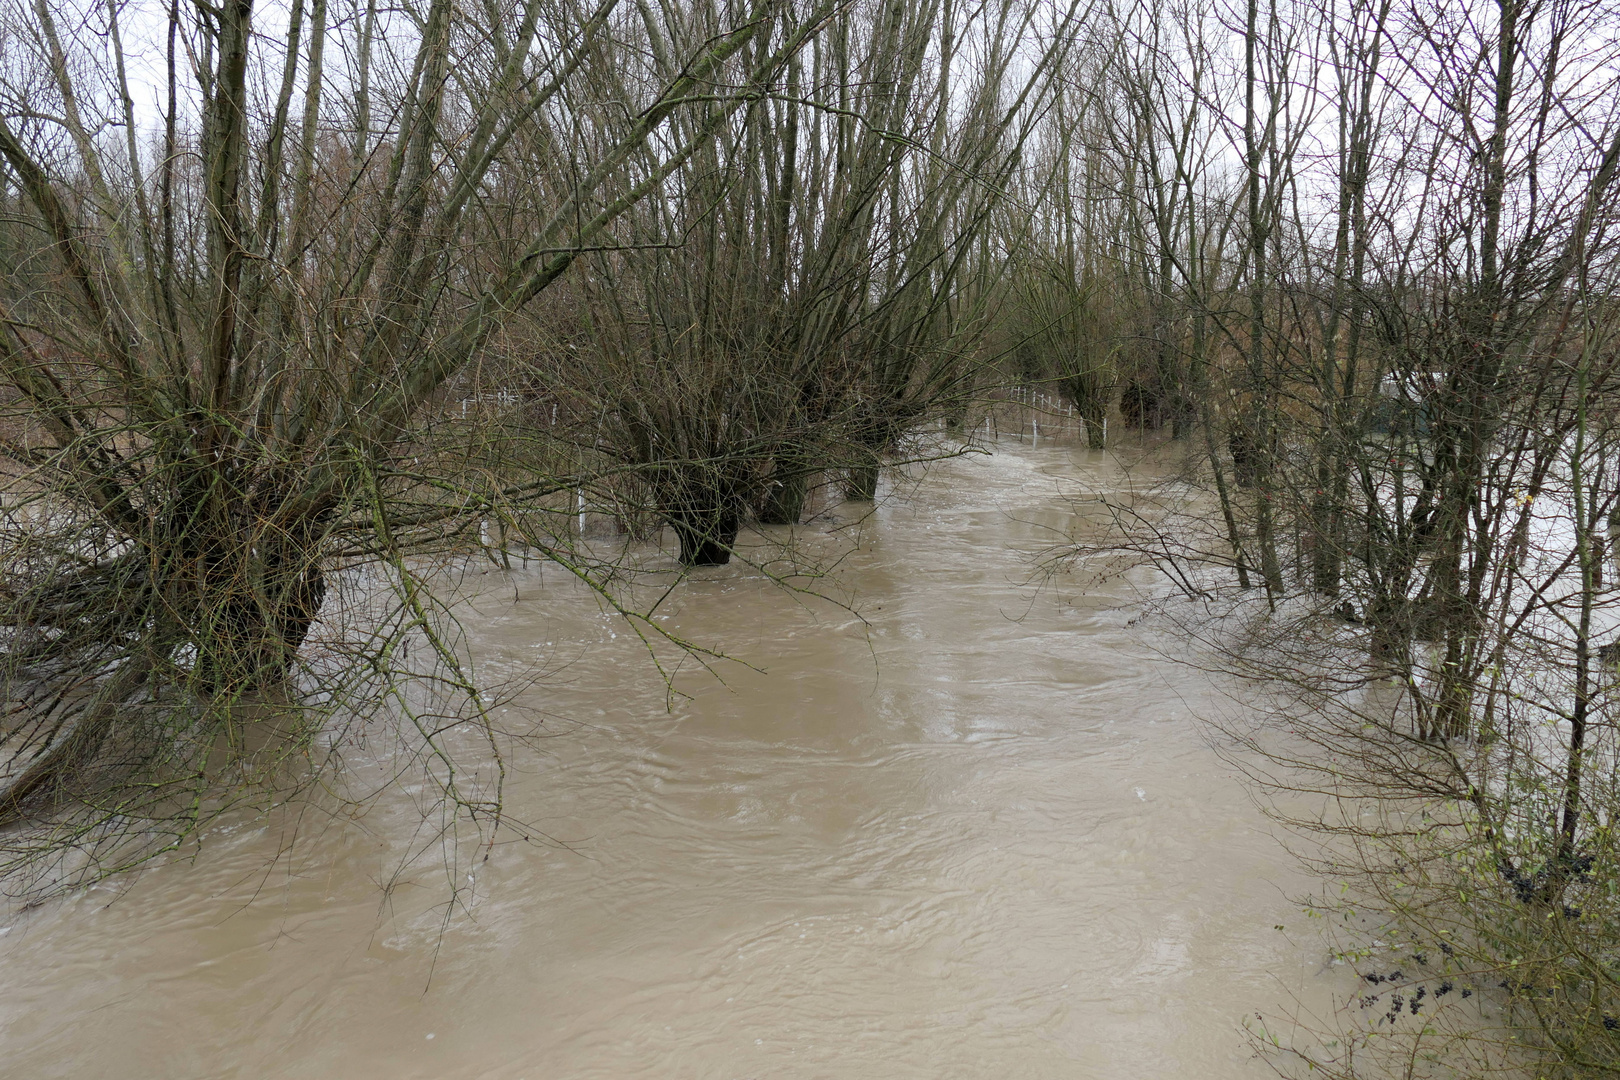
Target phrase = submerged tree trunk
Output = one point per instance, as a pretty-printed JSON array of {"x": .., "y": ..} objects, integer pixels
[
  {"x": 705, "y": 508},
  {"x": 861, "y": 483},
  {"x": 1090, "y": 400},
  {"x": 706, "y": 536},
  {"x": 788, "y": 490},
  {"x": 253, "y": 630},
  {"x": 1095, "y": 417}
]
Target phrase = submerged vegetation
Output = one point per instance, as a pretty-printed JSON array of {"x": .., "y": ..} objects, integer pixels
[{"x": 290, "y": 313}]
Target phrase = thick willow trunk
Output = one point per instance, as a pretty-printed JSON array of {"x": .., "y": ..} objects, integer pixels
[
  {"x": 1181, "y": 417},
  {"x": 1245, "y": 455},
  {"x": 250, "y": 632},
  {"x": 705, "y": 507},
  {"x": 1139, "y": 407},
  {"x": 706, "y": 536},
  {"x": 860, "y": 485},
  {"x": 788, "y": 491},
  {"x": 1090, "y": 399},
  {"x": 1094, "y": 412},
  {"x": 241, "y": 579}
]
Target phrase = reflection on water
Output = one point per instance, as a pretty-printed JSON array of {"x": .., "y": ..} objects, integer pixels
[{"x": 979, "y": 836}]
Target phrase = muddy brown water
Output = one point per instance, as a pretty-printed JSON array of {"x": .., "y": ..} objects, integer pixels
[{"x": 980, "y": 835}]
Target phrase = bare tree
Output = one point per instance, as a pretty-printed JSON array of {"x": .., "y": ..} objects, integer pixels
[
  {"x": 831, "y": 291},
  {"x": 221, "y": 345},
  {"x": 1412, "y": 344}
]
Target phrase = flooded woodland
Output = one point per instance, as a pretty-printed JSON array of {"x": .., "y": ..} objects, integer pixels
[
  {"x": 810, "y": 538},
  {"x": 974, "y": 829}
]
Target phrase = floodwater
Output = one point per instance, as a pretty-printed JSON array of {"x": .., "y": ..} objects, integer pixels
[{"x": 978, "y": 835}]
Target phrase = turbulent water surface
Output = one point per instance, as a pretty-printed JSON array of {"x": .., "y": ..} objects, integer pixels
[{"x": 979, "y": 835}]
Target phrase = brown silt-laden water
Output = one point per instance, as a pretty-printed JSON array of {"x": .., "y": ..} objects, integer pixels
[{"x": 979, "y": 836}]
